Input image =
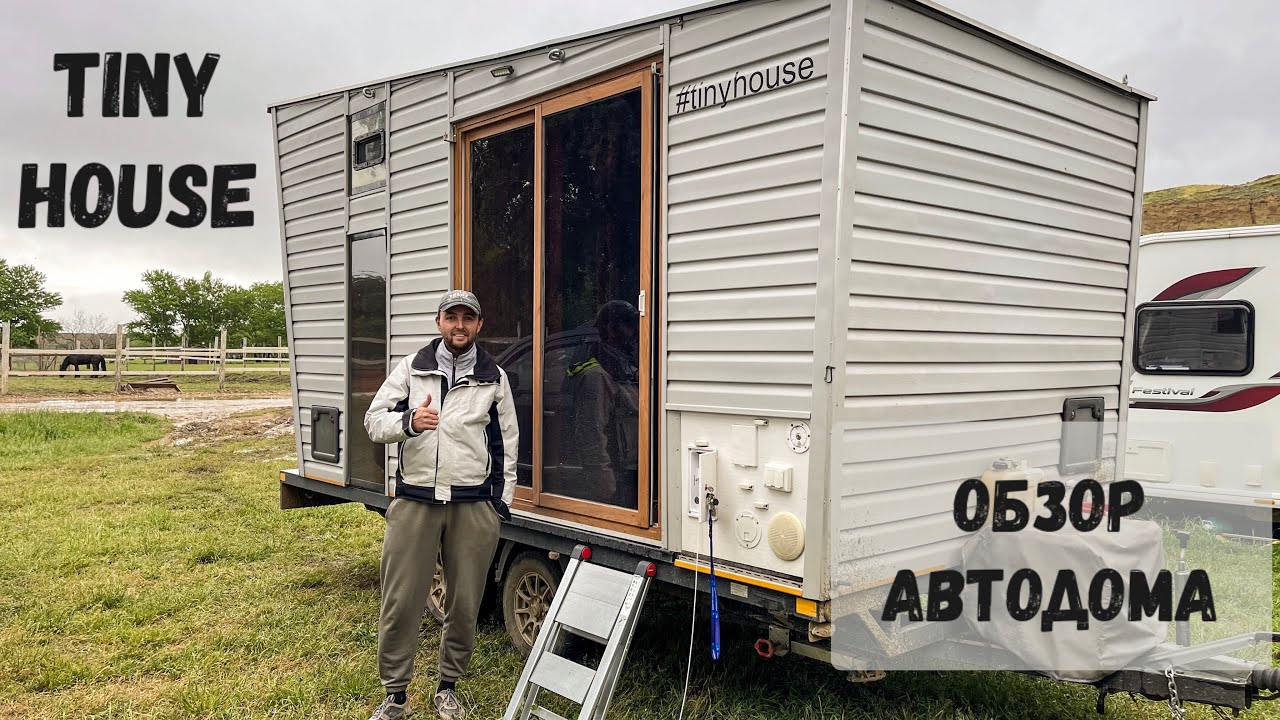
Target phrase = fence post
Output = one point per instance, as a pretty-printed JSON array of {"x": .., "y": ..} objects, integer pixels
[
  {"x": 222, "y": 360},
  {"x": 153, "y": 353},
  {"x": 182, "y": 357},
  {"x": 278, "y": 356},
  {"x": 119, "y": 352},
  {"x": 4, "y": 357}
]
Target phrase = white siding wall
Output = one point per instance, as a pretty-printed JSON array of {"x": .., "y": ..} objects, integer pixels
[
  {"x": 420, "y": 213},
  {"x": 420, "y": 209},
  {"x": 990, "y": 248},
  {"x": 744, "y": 193},
  {"x": 313, "y": 191}
]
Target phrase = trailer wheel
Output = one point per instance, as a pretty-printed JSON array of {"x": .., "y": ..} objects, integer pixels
[
  {"x": 527, "y": 591},
  {"x": 435, "y": 598}
]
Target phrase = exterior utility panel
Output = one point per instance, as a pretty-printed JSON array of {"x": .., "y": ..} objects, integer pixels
[
  {"x": 1203, "y": 415},
  {"x": 868, "y": 248}
]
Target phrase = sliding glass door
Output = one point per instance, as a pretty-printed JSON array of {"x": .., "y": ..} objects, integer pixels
[{"x": 556, "y": 209}]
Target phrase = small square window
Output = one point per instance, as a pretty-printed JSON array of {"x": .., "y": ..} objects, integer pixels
[{"x": 368, "y": 151}]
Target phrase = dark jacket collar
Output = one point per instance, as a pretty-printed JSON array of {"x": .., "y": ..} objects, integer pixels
[{"x": 486, "y": 370}]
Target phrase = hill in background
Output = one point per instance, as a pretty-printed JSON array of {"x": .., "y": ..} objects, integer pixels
[{"x": 1199, "y": 207}]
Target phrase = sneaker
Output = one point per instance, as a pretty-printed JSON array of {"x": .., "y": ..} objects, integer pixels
[
  {"x": 391, "y": 710},
  {"x": 448, "y": 705}
]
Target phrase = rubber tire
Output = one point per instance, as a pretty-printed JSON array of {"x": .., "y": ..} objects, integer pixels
[
  {"x": 435, "y": 599},
  {"x": 526, "y": 564}
]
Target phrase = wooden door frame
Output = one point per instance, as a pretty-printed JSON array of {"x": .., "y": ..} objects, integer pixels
[{"x": 635, "y": 76}]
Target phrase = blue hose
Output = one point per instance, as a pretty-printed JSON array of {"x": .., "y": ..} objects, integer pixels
[{"x": 715, "y": 603}]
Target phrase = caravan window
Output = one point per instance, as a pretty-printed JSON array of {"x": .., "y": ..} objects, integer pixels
[{"x": 1194, "y": 338}]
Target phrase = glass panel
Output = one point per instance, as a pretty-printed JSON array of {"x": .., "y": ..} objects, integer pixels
[
  {"x": 502, "y": 266},
  {"x": 1212, "y": 339},
  {"x": 367, "y": 356},
  {"x": 592, "y": 270},
  {"x": 369, "y": 151},
  {"x": 368, "y": 171}
]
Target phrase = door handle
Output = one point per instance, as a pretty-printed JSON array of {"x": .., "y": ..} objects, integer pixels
[{"x": 640, "y": 303}]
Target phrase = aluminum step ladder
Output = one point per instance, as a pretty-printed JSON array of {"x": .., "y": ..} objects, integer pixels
[{"x": 593, "y": 602}]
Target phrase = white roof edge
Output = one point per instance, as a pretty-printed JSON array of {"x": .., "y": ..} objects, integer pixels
[
  {"x": 1211, "y": 234},
  {"x": 710, "y": 5}
]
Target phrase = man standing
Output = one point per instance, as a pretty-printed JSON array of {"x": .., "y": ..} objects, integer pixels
[{"x": 449, "y": 407}]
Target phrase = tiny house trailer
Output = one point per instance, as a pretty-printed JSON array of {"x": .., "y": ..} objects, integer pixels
[
  {"x": 1203, "y": 418},
  {"x": 822, "y": 258}
]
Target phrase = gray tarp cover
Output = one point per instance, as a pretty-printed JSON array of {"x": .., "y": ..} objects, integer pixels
[{"x": 1066, "y": 653}]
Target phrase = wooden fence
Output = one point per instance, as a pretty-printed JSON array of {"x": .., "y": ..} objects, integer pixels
[{"x": 220, "y": 360}]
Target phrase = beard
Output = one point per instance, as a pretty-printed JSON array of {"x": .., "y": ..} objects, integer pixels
[{"x": 459, "y": 346}]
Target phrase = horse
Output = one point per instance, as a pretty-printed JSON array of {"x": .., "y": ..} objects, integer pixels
[{"x": 94, "y": 362}]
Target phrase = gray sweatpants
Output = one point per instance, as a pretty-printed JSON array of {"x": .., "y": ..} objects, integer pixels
[{"x": 466, "y": 535}]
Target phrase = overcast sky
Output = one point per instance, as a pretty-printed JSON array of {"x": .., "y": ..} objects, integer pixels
[{"x": 1210, "y": 64}]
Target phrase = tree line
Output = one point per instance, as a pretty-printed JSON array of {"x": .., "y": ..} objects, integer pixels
[{"x": 167, "y": 308}]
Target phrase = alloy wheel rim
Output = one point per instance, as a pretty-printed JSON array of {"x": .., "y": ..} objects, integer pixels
[{"x": 533, "y": 600}]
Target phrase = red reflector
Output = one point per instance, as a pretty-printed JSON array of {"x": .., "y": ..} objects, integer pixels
[
  {"x": 586, "y": 553},
  {"x": 651, "y": 570}
]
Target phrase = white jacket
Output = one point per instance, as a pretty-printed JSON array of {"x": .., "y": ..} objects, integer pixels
[{"x": 471, "y": 456}]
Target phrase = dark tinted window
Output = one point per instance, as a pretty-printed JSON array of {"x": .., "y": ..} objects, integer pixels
[
  {"x": 369, "y": 151},
  {"x": 1213, "y": 339},
  {"x": 502, "y": 262},
  {"x": 592, "y": 269},
  {"x": 366, "y": 354},
  {"x": 502, "y": 236}
]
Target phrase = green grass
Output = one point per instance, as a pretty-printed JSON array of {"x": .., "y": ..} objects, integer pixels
[
  {"x": 237, "y": 384},
  {"x": 1178, "y": 194},
  {"x": 1256, "y": 189},
  {"x": 143, "y": 580}
]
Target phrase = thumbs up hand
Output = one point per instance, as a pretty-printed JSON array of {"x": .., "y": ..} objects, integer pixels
[{"x": 424, "y": 417}]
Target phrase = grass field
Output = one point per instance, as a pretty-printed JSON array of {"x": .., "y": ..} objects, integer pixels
[
  {"x": 144, "y": 580},
  {"x": 238, "y": 384},
  {"x": 1197, "y": 207}
]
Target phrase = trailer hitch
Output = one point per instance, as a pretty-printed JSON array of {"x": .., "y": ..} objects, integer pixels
[{"x": 1205, "y": 674}]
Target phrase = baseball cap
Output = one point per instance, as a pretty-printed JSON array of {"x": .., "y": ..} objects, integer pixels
[{"x": 459, "y": 297}]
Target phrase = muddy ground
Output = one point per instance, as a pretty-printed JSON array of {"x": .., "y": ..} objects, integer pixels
[{"x": 193, "y": 419}]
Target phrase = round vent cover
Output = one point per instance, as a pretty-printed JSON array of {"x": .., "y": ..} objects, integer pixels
[{"x": 786, "y": 536}]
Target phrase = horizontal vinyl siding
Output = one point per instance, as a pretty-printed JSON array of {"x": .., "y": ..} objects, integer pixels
[
  {"x": 744, "y": 191},
  {"x": 368, "y": 212},
  {"x": 420, "y": 210},
  {"x": 313, "y": 188},
  {"x": 988, "y": 277}
]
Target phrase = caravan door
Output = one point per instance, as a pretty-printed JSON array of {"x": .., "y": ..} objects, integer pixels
[{"x": 556, "y": 216}]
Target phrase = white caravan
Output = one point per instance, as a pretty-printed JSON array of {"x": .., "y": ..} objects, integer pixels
[{"x": 1204, "y": 420}]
